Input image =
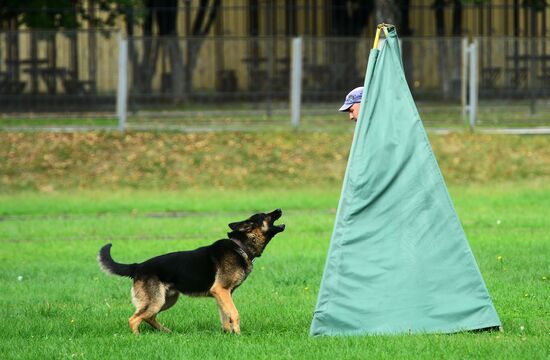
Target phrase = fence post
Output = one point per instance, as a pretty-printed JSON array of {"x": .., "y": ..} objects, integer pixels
[
  {"x": 473, "y": 50},
  {"x": 122, "y": 91},
  {"x": 296, "y": 82},
  {"x": 464, "y": 79}
]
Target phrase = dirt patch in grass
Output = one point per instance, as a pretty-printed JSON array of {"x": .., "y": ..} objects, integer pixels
[{"x": 57, "y": 161}]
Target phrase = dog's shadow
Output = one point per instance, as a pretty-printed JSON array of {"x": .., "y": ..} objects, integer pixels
[
  {"x": 205, "y": 327},
  {"x": 184, "y": 323}
]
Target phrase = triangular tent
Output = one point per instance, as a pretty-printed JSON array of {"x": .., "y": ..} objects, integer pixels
[{"x": 399, "y": 261}]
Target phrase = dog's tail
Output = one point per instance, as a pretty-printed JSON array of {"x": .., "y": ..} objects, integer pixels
[{"x": 108, "y": 265}]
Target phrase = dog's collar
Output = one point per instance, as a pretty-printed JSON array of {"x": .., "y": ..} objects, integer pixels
[{"x": 239, "y": 249}]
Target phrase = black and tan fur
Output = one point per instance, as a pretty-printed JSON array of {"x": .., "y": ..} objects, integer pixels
[{"x": 215, "y": 270}]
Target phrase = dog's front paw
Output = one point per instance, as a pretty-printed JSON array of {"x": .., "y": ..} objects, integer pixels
[
  {"x": 231, "y": 330},
  {"x": 227, "y": 330}
]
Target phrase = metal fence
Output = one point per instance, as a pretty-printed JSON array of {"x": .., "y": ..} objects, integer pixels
[
  {"x": 50, "y": 72},
  {"x": 241, "y": 83},
  {"x": 246, "y": 81},
  {"x": 514, "y": 81}
]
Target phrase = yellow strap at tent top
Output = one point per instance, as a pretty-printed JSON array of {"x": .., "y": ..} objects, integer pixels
[{"x": 378, "y": 28}]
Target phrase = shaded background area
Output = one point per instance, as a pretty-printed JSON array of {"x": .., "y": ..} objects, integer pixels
[
  {"x": 233, "y": 57},
  {"x": 61, "y": 162}
]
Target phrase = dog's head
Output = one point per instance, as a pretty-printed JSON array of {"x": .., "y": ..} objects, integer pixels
[{"x": 256, "y": 231}]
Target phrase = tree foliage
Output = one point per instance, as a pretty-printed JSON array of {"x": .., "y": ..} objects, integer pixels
[{"x": 63, "y": 14}]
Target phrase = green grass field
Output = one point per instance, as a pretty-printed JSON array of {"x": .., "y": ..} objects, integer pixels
[
  {"x": 56, "y": 303},
  {"x": 258, "y": 117}
]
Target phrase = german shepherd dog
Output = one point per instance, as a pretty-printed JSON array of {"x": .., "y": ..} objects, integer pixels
[{"x": 215, "y": 270}]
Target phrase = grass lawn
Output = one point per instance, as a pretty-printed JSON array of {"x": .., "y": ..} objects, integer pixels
[
  {"x": 56, "y": 303},
  {"x": 258, "y": 117}
]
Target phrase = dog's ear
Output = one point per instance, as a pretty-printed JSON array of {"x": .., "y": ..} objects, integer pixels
[{"x": 241, "y": 226}]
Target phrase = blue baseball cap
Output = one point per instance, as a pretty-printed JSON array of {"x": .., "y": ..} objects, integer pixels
[{"x": 353, "y": 97}]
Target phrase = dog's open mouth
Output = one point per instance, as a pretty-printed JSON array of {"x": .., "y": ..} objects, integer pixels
[{"x": 275, "y": 215}]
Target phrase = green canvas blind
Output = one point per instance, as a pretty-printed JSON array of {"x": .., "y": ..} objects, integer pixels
[{"x": 399, "y": 260}]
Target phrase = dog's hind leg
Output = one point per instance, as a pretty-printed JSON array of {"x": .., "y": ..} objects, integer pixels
[
  {"x": 140, "y": 301},
  {"x": 169, "y": 301},
  {"x": 149, "y": 297},
  {"x": 154, "y": 323}
]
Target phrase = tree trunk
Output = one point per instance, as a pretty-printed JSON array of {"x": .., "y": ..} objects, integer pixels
[
  {"x": 457, "y": 17},
  {"x": 405, "y": 31},
  {"x": 457, "y": 46},
  {"x": 51, "y": 84},
  {"x": 387, "y": 11},
  {"x": 34, "y": 68},
  {"x": 201, "y": 28},
  {"x": 73, "y": 50},
  {"x": 150, "y": 52},
  {"x": 167, "y": 18},
  {"x": 92, "y": 47},
  {"x": 254, "y": 47},
  {"x": 344, "y": 74},
  {"x": 13, "y": 50},
  {"x": 144, "y": 66},
  {"x": 439, "y": 8}
]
